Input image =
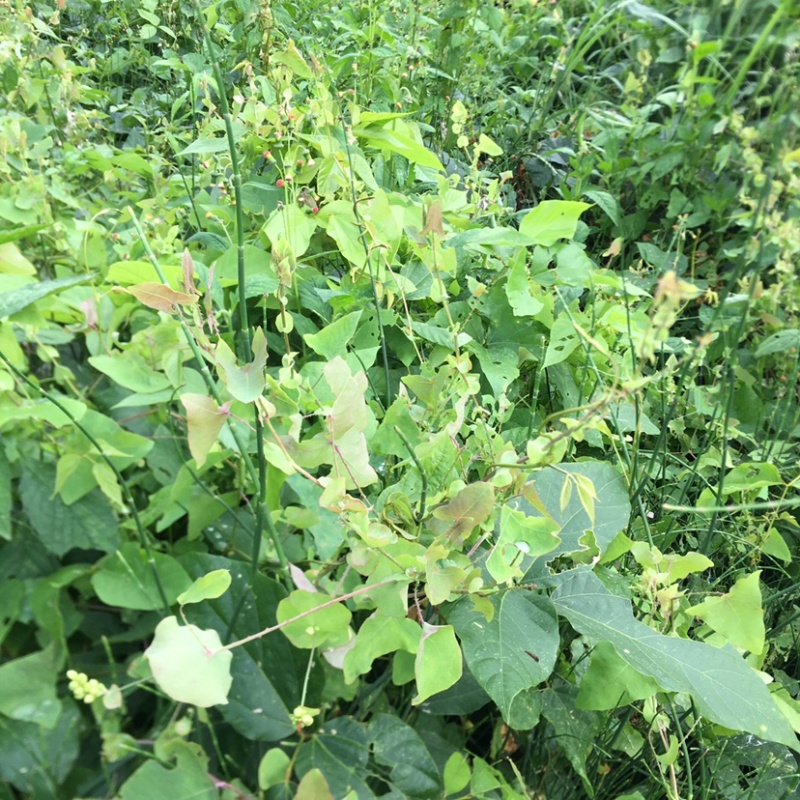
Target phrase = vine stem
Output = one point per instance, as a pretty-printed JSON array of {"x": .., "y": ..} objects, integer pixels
[{"x": 303, "y": 614}]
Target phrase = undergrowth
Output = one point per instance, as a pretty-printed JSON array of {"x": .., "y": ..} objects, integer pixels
[{"x": 399, "y": 399}]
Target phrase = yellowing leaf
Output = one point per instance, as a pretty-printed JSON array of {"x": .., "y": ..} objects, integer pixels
[
  {"x": 737, "y": 615},
  {"x": 204, "y": 420},
  {"x": 160, "y": 297},
  {"x": 468, "y": 509},
  {"x": 188, "y": 665}
]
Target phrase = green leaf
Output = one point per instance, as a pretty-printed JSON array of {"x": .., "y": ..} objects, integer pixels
[
  {"x": 20, "y": 233},
  {"x": 564, "y": 340},
  {"x": 519, "y": 535},
  {"x": 258, "y": 267},
  {"x": 291, "y": 224},
  {"x": 473, "y": 505},
  {"x": 438, "y": 663},
  {"x": 28, "y": 688},
  {"x": 261, "y": 693},
  {"x": 87, "y": 524},
  {"x": 511, "y": 655},
  {"x": 552, "y": 220},
  {"x": 204, "y": 421},
  {"x": 313, "y": 786},
  {"x": 126, "y": 579},
  {"x": 274, "y": 768},
  {"x": 737, "y": 615},
  {"x": 205, "y": 146},
  {"x": 412, "y": 771},
  {"x": 378, "y": 636},
  {"x": 211, "y": 586},
  {"x": 130, "y": 371},
  {"x": 332, "y": 340},
  {"x": 779, "y": 342},
  {"x": 542, "y": 497},
  {"x": 607, "y": 202},
  {"x": 328, "y": 627},
  {"x": 610, "y": 682},
  {"x": 246, "y": 383},
  {"x": 35, "y": 759},
  {"x": 575, "y": 730},
  {"x": 724, "y": 687},
  {"x": 18, "y": 299},
  {"x": 188, "y": 665},
  {"x": 518, "y": 291},
  {"x": 187, "y": 780},
  {"x": 401, "y": 138},
  {"x": 341, "y": 752}
]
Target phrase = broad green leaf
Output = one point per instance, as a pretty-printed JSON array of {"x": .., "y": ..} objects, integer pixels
[
  {"x": 473, "y": 505},
  {"x": 511, "y": 655},
  {"x": 211, "y": 586},
  {"x": 259, "y": 271},
  {"x": 456, "y": 773},
  {"x": 779, "y": 342},
  {"x": 379, "y": 636},
  {"x": 245, "y": 383},
  {"x": 488, "y": 146},
  {"x": 205, "y": 146},
  {"x": 737, "y": 615},
  {"x": 327, "y": 627},
  {"x": 204, "y": 421},
  {"x": 188, "y": 664},
  {"x": 313, "y": 786},
  {"x": 131, "y": 371},
  {"x": 440, "y": 336},
  {"x": 293, "y": 59},
  {"x": 564, "y": 340},
  {"x": 518, "y": 291},
  {"x": 724, "y": 687},
  {"x": 412, "y": 771},
  {"x": 542, "y": 496},
  {"x": 28, "y": 688},
  {"x": 340, "y": 750},
  {"x": 398, "y": 137},
  {"x": 36, "y": 759},
  {"x": 552, "y": 220},
  {"x": 607, "y": 202},
  {"x": 292, "y": 225},
  {"x": 611, "y": 682},
  {"x": 189, "y": 779},
  {"x": 87, "y": 524},
  {"x": 125, "y": 579},
  {"x": 575, "y": 730},
  {"x": 19, "y": 299},
  {"x": 20, "y": 233},
  {"x": 274, "y": 768},
  {"x": 438, "y": 663},
  {"x": 332, "y": 340}
]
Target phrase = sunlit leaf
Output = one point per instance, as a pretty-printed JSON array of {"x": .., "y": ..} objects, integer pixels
[
  {"x": 438, "y": 663},
  {"x": 204, "y": 421},
  {"x": 188, "y": 665},
  {"x": 738, "y": 615},
  {"x": 209, "y": 587}
]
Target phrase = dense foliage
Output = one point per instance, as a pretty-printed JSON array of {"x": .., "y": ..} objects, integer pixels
[{"x": 399, "y": 399}]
